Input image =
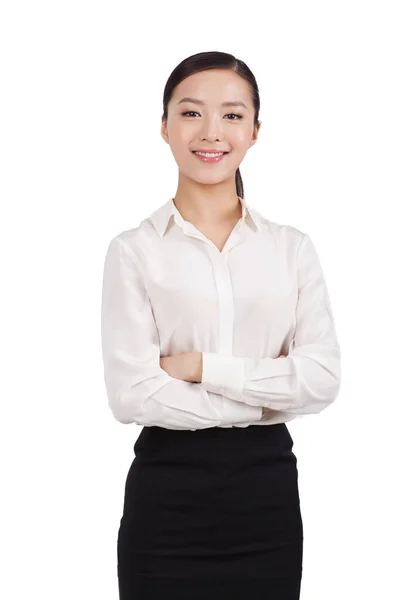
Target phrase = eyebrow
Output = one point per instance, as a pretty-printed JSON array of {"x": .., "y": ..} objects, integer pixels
[{"x": 201, "y": 103}]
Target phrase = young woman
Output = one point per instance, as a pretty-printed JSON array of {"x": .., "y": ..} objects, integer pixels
[{"x": 216, "y": 331}]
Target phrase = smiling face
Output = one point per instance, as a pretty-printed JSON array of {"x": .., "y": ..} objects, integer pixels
[{"x": 206, "y": 123}]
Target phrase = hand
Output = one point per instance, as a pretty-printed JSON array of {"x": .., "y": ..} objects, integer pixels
[{"x": 186, "y": 366}]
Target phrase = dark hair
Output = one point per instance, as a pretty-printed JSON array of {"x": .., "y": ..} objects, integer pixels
[{"x": 204, "y": 61}]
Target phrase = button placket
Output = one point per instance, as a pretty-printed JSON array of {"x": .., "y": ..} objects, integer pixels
[
  {"x": 223, "y": 282},
  {"x": 224, "y": 287},
  {"x": 225, "y": 303}
]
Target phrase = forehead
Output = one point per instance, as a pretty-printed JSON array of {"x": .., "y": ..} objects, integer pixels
[{"x": 214, "y": 85}]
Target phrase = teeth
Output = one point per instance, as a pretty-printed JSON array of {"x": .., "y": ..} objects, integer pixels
[{"x": 209, "y": 154}]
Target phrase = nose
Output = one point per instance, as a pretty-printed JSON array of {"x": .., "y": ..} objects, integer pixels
[{"x": 211, "y": 129}]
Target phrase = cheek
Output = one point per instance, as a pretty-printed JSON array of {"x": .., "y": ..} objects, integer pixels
[
  {"x": 180, "y": 139},
  {"x": 242, "y": 136}
]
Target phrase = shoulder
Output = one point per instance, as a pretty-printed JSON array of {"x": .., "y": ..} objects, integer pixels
[
  {"x": 282, "y": 232},
  {"x": 131, "y": 239}
]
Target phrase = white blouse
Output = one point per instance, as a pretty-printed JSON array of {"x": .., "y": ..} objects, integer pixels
[{"x": 167, "y": 289}]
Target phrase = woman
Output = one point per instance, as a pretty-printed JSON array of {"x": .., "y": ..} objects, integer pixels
[{"x": 216, "y": 331}]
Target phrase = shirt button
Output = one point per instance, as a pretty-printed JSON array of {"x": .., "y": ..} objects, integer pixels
[{"x": 222, "y": 391}]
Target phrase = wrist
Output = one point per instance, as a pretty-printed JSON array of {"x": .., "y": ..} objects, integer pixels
[{"x": 195, "y": 367}]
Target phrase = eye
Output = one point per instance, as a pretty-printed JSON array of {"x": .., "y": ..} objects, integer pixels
[{"x": 193, "y": 112}]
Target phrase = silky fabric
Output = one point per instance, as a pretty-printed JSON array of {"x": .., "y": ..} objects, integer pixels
[
  {"x": 210, "y": 514},
  {"x": 258, "y": 312}
]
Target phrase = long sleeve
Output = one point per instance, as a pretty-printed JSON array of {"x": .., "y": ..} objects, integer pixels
[
  {"x": 308, "y": 379},
  {"x": 138, "y": 389}
]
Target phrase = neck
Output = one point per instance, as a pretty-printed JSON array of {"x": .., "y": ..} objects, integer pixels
[{"x": 208, "y": 206}]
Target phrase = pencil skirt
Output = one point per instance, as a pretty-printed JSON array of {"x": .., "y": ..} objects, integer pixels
[{"x": 211, "y": 513}]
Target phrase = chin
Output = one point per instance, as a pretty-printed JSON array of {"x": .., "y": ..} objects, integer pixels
[{"x": 207, "y": 178}]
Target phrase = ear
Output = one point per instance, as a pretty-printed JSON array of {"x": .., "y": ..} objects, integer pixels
[
  {"x": 256, "y": 131},
  {"x": 164, "y": 131}
]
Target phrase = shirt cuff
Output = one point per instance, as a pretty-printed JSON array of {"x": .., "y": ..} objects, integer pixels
[
  {"x": 223, "y": 374},
  {"x": 239, "y": 412}
]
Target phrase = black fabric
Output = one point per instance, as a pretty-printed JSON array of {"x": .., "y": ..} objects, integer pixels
[{"x": 211, "y": 513}]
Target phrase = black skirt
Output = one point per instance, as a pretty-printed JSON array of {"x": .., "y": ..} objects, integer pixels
[{"x": 212, "y": 513}]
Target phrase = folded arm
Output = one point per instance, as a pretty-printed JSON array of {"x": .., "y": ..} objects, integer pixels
[
  {"x": 138, "y": 389},
  {"x": 308, "y": 379}
]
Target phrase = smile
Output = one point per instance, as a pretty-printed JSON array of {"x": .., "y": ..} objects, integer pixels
[{"x": 210, "y": 157}]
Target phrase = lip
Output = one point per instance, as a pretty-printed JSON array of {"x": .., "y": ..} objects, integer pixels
[
  {"x": 210, "y": 159},
  {"x": 209, "y": 150}
]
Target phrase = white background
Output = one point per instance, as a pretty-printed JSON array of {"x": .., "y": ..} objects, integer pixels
[{"x": 82, "y": 158}]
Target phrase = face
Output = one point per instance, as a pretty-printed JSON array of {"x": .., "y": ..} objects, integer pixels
[{"x": 210, "y": 125}]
